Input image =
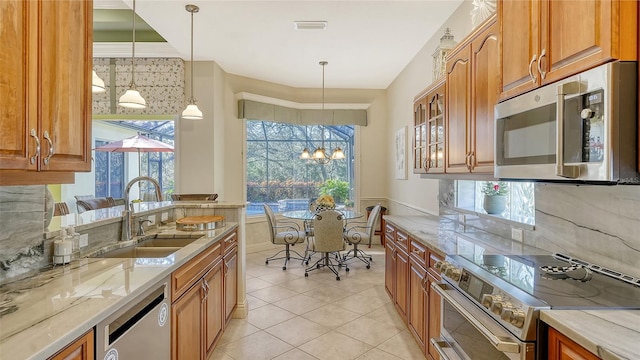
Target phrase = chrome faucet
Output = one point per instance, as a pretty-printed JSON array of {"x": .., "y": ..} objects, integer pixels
[{"x": 128, "y": 208}]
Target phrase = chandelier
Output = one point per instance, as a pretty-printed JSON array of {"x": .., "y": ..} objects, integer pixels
[{"x": 320, "y": 155}]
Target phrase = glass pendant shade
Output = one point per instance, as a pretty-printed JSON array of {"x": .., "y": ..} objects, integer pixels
[
  {"x": 306, "y": 154},
  {"x": 132, "y": 100},
  {"x": 319, "y": 154},
  {"x": 338, "y": 154},
  {"x": 97, "y": 84},
  {"x": 192, "y": 112}
]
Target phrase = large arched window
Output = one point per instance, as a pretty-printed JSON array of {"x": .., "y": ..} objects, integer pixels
[{"x": 277, "y": 176}]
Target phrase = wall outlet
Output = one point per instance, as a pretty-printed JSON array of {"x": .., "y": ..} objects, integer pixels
[
  {"x": 84, "y": 240},
  {"x": 164, "y": 217},
  {"x": 152, "y": 220},
  {"x": 462, "y": 218},
  {"x": 517, "y": 234}
]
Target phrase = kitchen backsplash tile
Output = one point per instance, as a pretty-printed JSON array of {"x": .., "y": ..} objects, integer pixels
[
  {"x": 596, "y": 223},
  {"x": 22, "y": 224}
]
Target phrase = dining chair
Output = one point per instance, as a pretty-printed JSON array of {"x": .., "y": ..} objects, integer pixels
[
  {"x": 285, "y": 233},
  {"x": 328, "y": 239},
  {"x": 361, "y": 232}
]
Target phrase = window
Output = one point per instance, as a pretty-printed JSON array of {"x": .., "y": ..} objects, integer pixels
[
  {"x": 109, "y": 166},
  {"x": 109, "y": 172},
  {"x": 277, "y": 176},
  {"x": 519, "y": 205}
]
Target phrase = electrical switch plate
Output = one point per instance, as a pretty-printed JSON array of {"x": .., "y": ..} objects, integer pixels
[
  {"x": 462, "y": 218},
  {"x": 84, "y": 240},
  {"x": 152, "y": 219},
  {"x": 164, "y": 216},
  {"x": 517, "y": 234}
]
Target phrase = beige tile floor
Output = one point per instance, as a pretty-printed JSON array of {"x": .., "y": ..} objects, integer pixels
[{"x": 293, "y": 317}]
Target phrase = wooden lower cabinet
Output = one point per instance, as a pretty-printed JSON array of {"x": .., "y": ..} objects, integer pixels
[
  {"x": 213, "y": 307},
  {"x": 186, "y": 332},
  {"x": 418, "y": 303},
  {"x": 230, "y": 283},
  {"x": 204, "y": 297},
  {"x": 563, "y": 348},
  {"x": 402, "y": 278},
  {"x": 83, "y": 348},
  {"x": 433, "y": 316}
]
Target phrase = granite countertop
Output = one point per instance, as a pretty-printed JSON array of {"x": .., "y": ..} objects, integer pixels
[
  {"x": 43, "y": 313},
  {"x": 610, "y": 334}
]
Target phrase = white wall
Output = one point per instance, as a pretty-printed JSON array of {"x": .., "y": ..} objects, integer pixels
[{"x": 416, "y": 194}]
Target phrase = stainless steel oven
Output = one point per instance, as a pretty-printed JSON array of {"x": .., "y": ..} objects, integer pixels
[
  {"x": 468, "y": 333},
  {"x": 581, "y": 129},
  {"x": 491, "y": 302}
]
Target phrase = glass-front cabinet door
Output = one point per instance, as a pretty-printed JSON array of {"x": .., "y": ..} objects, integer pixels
[
  {"x": 435, "y": 129},
  {"x": 420, "y": 135}
]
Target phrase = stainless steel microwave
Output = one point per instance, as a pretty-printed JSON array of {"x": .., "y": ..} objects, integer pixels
[{"x": 581, "y": 129}]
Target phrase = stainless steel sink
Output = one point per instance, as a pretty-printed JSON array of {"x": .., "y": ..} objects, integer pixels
[
  {"x": 166, "y": 242},
  {"x": 150, "y": 248},
  {"x": 140, "y": 252}
]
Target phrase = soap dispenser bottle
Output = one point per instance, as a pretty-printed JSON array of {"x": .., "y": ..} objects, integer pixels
[{"x": 62, "y": 248}]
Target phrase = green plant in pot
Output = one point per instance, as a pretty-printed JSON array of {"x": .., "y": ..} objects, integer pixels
[{"x": 495, "y": 196}]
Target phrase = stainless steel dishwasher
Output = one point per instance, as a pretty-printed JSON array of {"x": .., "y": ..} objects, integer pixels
[{"x": 140, "y": 329}]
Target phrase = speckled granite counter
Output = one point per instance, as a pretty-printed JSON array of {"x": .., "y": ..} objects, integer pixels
[
  {"x": 610, "y": 334},
  {"x": 43, "y": 313}
]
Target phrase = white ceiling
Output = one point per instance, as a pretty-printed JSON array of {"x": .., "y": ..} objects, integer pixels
[{"x": 367, "y": 43}]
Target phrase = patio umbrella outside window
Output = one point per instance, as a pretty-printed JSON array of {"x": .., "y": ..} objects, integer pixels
[{"x": 139, "y": 144}]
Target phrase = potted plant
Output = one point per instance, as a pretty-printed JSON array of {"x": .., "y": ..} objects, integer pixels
[
  {"x": 495, "y": 196},
  {"x": 325, "y": 202}
]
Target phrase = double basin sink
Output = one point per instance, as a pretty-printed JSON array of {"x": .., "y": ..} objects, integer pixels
[{"x": 156, "y": 247}]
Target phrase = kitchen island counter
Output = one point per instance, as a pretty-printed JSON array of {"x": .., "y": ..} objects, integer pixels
[
  {"x": 610, "y": 334},
  {"x": 43, "y": 313}
]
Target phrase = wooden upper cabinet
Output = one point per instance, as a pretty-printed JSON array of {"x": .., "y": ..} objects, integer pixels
[
  {"x": 473, "y": 86},
  {"x": 65, "y": 94},
  {"x": 419, "y": 135},
  {"x": 428, "y": 137},
  {"x": 561, "y": 45},
  {"x": 485, "y": 90},
  {"x": 17, "y": 82},
  {"x": 458, "y": 102},
  {"x": 45, "y": 90},
  {"x": 519, "y": 32}
]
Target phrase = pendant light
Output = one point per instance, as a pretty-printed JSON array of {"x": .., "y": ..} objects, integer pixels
[
  {"x": 97, "y": 84},
  {"x": 192, "y": 112},
  {"x": 131, "y": 98},
  {"x": 319, "y": 154}
]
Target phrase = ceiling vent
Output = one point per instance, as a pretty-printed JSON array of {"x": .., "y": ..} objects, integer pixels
[{"x": 310, "y": 25}]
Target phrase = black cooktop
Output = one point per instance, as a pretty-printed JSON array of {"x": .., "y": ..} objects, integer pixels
[{"x": 563, "y": 284}]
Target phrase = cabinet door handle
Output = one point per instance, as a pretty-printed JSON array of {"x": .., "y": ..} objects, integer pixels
[
  {"x": 472, "y": 157},
  {"x": 534, "y": 79},
  {"x": 33, "y": 134},
  {"x": 543, "y": 74},
  {"x": 51, "y": 152}
]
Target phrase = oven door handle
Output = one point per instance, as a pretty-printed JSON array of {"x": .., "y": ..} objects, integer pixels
[
  {"x": 500, "y": 344},
  {"x": 444, "y": 350}
]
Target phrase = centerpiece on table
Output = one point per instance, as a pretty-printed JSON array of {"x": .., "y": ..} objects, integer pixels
[
  {"x": 495, "y": 196},
  {"x": 325, "y": 202}
]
